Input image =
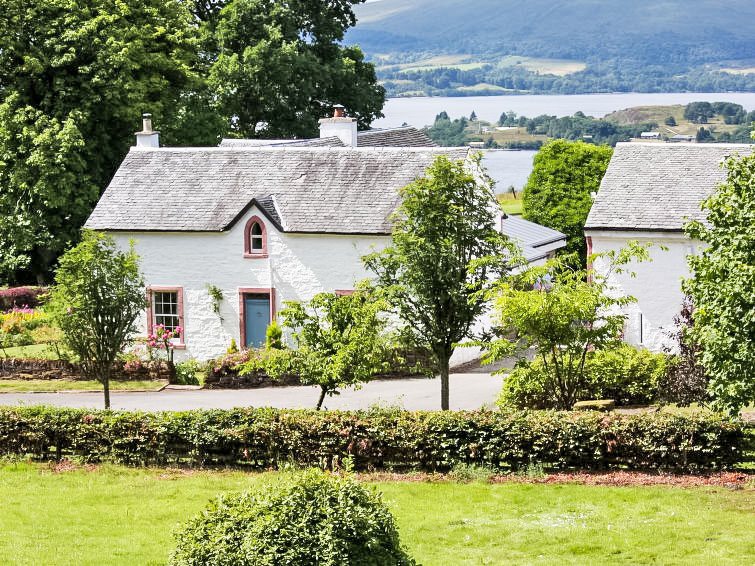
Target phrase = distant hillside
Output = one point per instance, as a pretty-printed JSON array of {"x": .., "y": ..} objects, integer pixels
[{"x": 649, "y": 45}]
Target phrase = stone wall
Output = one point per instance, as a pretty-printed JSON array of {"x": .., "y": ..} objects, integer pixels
[{"x": 16, "y": 368}]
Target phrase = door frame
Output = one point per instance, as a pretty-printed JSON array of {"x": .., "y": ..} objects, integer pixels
[{"x": 269, "y": 291}]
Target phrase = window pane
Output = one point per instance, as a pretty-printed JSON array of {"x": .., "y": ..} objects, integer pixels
[
  {"x": 256, "y": 229},
  {"x": 256, "y": 242},
  {"x": 165, "y": 308}
]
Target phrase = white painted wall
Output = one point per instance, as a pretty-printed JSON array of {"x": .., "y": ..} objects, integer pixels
[
  {"x": 656, "y": 286},
  {"x": 298, "y": 267}
]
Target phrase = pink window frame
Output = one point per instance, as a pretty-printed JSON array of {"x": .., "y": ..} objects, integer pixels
[
  {"x": 248, "y": 239},
  {"x": 269, "y": 291},
  {"x": 181, "y": 344}
]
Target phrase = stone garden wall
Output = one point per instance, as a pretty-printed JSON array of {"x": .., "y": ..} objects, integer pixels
[{"x": 16, "y": 368}]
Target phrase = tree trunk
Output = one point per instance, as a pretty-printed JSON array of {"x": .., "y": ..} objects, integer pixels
[
  {"x": 444, "y": 389},
  {"x": 106, "y": 385},
  {"x": 323, "y": 391}
]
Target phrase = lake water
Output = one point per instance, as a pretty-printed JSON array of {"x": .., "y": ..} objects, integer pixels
[
  {"x": 513, "y": 167},
  {"x": 421, "y": 111}
]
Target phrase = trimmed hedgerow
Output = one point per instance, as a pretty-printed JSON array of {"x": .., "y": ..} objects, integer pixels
[{"x": 399, "y": 440}]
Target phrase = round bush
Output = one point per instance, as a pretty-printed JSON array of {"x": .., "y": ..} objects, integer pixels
[{"x": 311, "y": 519}]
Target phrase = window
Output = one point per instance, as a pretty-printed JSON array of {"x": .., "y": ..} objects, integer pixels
[
  {"x": 166, "y": 307},
  {"x": 255, "y": 238}
]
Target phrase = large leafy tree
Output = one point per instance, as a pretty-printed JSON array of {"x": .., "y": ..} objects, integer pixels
[
  {"x": 277, "y": 67},
  {"x": 98, "y": 294},
  {"x": 74, "y": 78},
  {"x": 445, "y": 251},
  {"x": 557, "y": 193},
  {"x": 722, "y": 287}
]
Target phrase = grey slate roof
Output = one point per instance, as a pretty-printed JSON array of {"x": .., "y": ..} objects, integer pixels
[
  {"x": 656, "y": 187},
  {"x": 530, "y": 236},
  {"x": 405, "y": 136},
  {"x": 308, "y": 190},
  {"x": 394, "y": 137}
]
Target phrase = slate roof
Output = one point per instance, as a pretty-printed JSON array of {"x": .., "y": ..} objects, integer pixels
[
  {"x": 405, "y": 136},
  {"x": 307, "y": 190},
  {"x": 531, "y": 236},
  {"x": 656, "y": 187},
  {"x": 394, "y": 137}
]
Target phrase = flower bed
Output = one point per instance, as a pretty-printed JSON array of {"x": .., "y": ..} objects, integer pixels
[{"x": 378, "y": 440}]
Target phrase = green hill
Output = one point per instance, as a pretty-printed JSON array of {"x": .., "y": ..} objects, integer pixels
[{"x": 646, "y": 45}]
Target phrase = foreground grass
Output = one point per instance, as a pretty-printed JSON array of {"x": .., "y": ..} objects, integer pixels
[
  {"x": 52, "y": 385},
  {"x": 115, "y": 515}
]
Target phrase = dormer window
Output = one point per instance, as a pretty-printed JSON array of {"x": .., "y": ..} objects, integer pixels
[{"x": 255, "y": 238}]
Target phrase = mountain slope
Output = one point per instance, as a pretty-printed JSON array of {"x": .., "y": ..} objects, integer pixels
[{"x": 693, "y": 31}]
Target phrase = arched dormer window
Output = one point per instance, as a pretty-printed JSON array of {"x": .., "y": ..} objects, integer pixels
[{"x": 255, "y": 238}]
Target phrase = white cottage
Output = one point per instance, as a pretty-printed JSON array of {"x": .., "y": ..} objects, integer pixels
[
  {"x": 263, "y": 224},
  {"x": 647, "y": 194}
]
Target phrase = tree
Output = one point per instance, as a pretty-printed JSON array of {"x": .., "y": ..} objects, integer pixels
[
  {"x": 340, "y": 342},
  {"x": 445, "y": 250},
  {"x": 97, "y": 297},
  {"x": 75, "y": 78},
  {"x": 670, "y": 121},
  {"x": 722, "y": 287},
  {"x": 558, "y": 191},
  {"x": 472, "y": 116},
  {"x": 564, "y": 313},
  {"x": 277, "y": 67}
]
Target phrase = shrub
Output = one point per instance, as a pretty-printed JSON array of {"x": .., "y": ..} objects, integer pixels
[
  {"x": 628, "y": 375},
  {"x": 400, "y": 440},
  {"x": 21, "y": 297},
  {"x": 311, "y": 518},
  {"x": 189, "y": 372}
]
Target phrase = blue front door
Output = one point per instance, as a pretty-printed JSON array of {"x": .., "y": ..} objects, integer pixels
[{"x": 256, "y": 319}]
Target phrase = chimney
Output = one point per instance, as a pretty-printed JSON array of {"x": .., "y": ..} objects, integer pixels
[
  {"x": 339, "y": 126},
  {"x": 147, "y": 137}
]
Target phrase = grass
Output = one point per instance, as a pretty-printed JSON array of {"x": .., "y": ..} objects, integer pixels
[
  {"x": 41, "y": 385},
  {"x": 32, "y": 351},
  {"x": 115, "y": 515},
  {"x": 509, "y": 204}
]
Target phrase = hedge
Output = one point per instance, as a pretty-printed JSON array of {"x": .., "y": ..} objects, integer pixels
[{"x": 379, "y": 440}]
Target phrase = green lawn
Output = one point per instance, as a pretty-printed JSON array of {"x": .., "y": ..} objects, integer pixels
[
  {"x": 33, "y": 351},
  {"x": 29, "y": 385},
  {"x": 117, "y": 515},
  {"x": 510, "y": 205}
]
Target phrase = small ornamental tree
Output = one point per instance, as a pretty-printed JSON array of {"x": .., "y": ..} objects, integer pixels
[
  {"x": 445, "y": 250},
  {"x": 563, "y": 313},
  {"x": 97, "y": 297},
  {"x": 340, "y": 342},
  {"x": 722, "y": 287},
  {"x": 311, "y": 518}
]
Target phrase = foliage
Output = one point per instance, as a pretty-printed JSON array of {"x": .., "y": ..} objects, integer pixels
[
  {"x": 216, "y": 296},
  {"x": 232, "y": 347},
  {"x": 22, "y": 297},
  {"x": 189, "y": 372},
  {"x": 445, "y": 251},
  {"x": 444, "y": 132},
  {"x": 399, "y": 440},
  {"x": 274, "y": 336},
  {"x": 98, "y": 295},
  {"x": 625, "y": 374},
  {"x": 278, "y": 67},
  {"x": 75, "y": 77},
  {"x": 564, "y": 313},
  {"x": 312, "y": 517},
  {"x": 340, "y": 342},
  {"x": 686, "y": 381},
  {"x": 558, "y": 191},
  {"x": 722, "y": 286}
]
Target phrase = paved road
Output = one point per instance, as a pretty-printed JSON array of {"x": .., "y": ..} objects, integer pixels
[{"x": 468, "y": 391}]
